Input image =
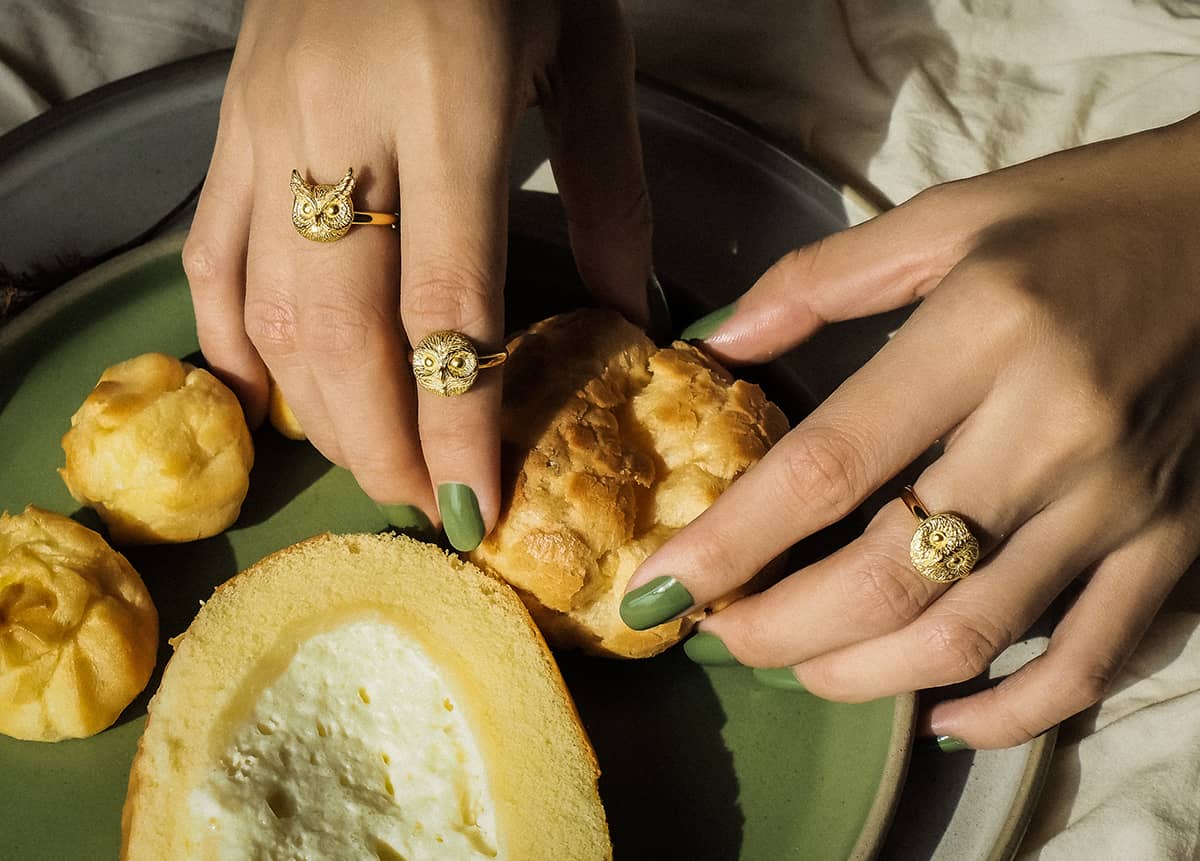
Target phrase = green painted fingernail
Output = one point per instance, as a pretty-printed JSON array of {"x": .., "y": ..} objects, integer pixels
[
  {"x": 950, "y": 744},
  {"x": 780, "y": 678},
  {"x": 708, "y": 324},
  {"x": 707, "y": 649},
  {"x": 408, "y": 519},
  {"x": 460, "y": 515},
  {"x": 661, "y": 599}
]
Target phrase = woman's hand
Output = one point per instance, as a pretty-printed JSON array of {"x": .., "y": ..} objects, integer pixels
[
  {"x": 1056, "y": 356},
  {"x": 421, "y": 99}
]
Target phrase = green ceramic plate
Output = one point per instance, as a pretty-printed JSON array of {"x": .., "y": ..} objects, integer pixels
[{"x": 697, "y": 764}]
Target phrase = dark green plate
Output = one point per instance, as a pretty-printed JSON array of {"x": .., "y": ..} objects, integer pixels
[{"x": 697, "y": 763}]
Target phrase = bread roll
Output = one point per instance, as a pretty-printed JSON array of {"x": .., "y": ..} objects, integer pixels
[
  {"x": 611, "y": 446},
  {"x": 78, "y": 631},
  {"x": 161, "y": 450},
  {"x": 280, "y": 414},
  {"x": 363, "y": 696}
]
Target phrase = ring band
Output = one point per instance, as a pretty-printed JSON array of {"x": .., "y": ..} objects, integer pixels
[
  {"x": 943, "y": 549},
  {"x": 447, "y": 363},
  {"x": 325, "y": 213}
]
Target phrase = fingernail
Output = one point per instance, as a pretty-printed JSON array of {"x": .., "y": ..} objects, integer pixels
[
  {"x": 707, "y": 649},
  {"x": 950, "y": 744},
  {"x": 708, "y": 324},
  {"x": 780, "y": 678},
  {"x": 460, "y": 515},
  {"x": 408, "y": 519},
  {"x": 661, "y": 599},
  {"x": 660, "y": 312}
]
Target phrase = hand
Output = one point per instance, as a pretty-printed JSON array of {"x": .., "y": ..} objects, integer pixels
[
  {"x": 421, "y": 98},
  {"x": 1056, "y": 356}
]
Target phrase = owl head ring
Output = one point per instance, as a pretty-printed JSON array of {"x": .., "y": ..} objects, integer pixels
[
  {"x": 943, "y": 548},
  {"x": 325, "y": 213},
  {"x": 447, "y": 363}
]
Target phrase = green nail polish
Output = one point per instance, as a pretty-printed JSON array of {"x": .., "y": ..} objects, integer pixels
[
  {"x": 408, "y": 519},
  {"x": 661, "y": 599},
  {"x": 780, "y": 678},
  {"x": 708, "y": 324},
  {"x": 460, "y": 515},
  {"x": 950, "y": 744},
  {"x": 707, "y": 649}
]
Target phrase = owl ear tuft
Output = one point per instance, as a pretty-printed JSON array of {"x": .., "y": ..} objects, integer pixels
[
  {"x": 298, "y": 185},
  {"x": 347, "y": 183}
]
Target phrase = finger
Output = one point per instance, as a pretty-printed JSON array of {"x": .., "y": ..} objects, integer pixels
[
  {"x": 455, "y": 214},
  {"x": 1087, "y": 649},
  {"x": 885, "y": 263},
  {"x": 325, "y": 317},
  {"x": 875, "y": 423},
  {"x": 962, "y": 632},
  {"x": 869, "y": 587},
  {"x": 214, "y": 258},
  {"x": 588, "y": 108}
]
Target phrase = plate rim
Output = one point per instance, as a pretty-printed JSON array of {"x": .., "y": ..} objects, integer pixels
[
  {"x": 877, "y": 822},
  {"x": 191, "y": 74}
]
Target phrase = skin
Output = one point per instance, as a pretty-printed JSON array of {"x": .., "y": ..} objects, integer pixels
[
  {"x": 1054, "y": 354},
  {"x": 422, "y": 99}
]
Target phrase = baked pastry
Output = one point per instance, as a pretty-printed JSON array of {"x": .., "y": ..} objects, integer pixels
[
  {"x": 161, "y": 450},
  {"x": 78, "y": 631},
  {"x": 280, "y": 414},
  {"x": 363, "y": 696},
  {"x": 611, "y": 446}
]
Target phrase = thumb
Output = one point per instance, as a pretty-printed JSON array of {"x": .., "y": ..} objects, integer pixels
[
  {"x": 588, "y": 108},
  {"x": 885, "y": 263}
]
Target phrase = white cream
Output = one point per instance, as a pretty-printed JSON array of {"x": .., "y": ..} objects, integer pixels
[{"x": 357, "y": 751}]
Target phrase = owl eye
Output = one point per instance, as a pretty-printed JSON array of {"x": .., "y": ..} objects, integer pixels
[
  {"x": 429, "y": 362},
  {"x": 307, "y": 209},
  {"x": 333, "y": 209},
  {"x": 937, "y": 539},
  {"x": 457, "y": 363}
]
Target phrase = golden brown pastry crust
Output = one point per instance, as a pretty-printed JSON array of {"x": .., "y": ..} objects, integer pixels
[
  {"x": 160, "y": 450},
  {"x": 78, "y": 631},
  {"x": 611, "y": 446}
]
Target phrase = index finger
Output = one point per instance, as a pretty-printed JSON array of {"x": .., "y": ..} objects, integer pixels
[{"x": 877, "y": 422}]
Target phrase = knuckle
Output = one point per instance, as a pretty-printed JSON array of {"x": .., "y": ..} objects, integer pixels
[
  {"x": 448, "y": 295},
  {"x": 316, "y": 71},
  {"x": 962, "y": 649},
  {"x": 882, "y": 591},
  {"x": 204, "y": 264},
  {"x": 824, "y": 469},
  {"x": 271, "y": 323},
  {"x": 338, "y": 336},
  {"x": 1083, "y": 686}
]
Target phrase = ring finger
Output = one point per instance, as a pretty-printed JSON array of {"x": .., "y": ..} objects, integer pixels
[{"x": 963, "y": 631}]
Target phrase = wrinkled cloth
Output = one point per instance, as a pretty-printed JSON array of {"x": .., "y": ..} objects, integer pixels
[{"x": 892, "y": 96}]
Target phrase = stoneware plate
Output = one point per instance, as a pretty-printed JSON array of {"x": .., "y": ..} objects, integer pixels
[{"x": 697, "y": 764}]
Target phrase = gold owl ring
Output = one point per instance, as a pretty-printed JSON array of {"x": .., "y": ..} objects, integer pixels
[
  {"x": 943, "y": 548},
  {"x": 447, "y": 363},
  {"x": 325, "y": 213}
]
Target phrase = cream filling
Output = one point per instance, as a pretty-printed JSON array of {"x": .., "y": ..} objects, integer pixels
[{"x": 357, "y": 750}]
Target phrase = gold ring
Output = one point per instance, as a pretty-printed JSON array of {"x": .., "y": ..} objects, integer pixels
[
  {"x": 447, "y": 363},
  {"x": 325, "y": 213},
  {"x": 943, "y": 548}
]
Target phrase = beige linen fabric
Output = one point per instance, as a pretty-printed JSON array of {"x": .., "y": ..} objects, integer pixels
[{"x": 895, "y": 95}]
